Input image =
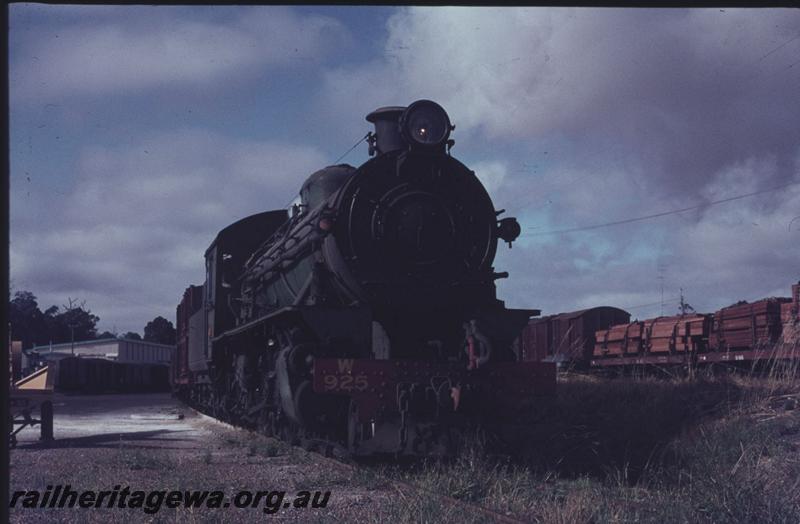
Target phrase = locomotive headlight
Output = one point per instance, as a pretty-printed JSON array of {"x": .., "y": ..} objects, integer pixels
[{"x": 425, "y": 123}]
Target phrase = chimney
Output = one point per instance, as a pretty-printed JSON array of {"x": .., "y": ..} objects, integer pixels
[{"x": 387, "y": 129}]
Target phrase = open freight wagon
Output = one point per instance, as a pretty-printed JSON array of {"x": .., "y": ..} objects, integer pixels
[{"x": 766, "y": 329}]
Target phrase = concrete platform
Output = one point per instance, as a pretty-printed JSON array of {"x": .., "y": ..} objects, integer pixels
[
  {"x": 153, "y": 443},
  {"x": 147, "y": 419}
]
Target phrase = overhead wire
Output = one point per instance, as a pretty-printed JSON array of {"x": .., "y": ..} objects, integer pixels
[
  {"x": 349, "y": 150},
  {"x": 665, "y": 301},
  {"x": 795, "y": 37},
  {"x": 657, "y": 215},
  {"x": 334, "y": 163}
]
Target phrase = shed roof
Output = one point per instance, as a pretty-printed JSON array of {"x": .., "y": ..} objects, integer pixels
[{"x": 102, "y": 341}]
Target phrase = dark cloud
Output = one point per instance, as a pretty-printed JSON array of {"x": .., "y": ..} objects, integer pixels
[
  {"x": 735, "y": 252},
  {"x": 571, "y": 117},
  {"x": 681, "y": 94},
  {"x": 126, "y": 49},
  {"x": 610, "y": 114},
  {"x": 134, "y": 230}
]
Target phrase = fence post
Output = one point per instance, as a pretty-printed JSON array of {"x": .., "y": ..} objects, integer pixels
[{"x": 46, "y": 416}]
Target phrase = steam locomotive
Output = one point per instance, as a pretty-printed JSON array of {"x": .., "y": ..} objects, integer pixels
[{"x": 366, "y": 315}]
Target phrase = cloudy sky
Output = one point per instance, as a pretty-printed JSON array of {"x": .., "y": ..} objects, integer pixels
[{"x": 138, "y": 132}]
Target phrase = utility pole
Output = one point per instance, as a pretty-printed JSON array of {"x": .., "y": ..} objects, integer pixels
[
  {"x": 10, "y": 358},
  {"x": 72, "y": 337},
  {"x": 685, "y": 307},
  {"x": 683, "y": 304},
  {"x": 72, "y": 325},
  {"x": 661, "y": 270}
]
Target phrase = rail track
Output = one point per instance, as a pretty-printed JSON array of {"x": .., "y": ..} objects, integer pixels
[{"x": 336, "y": 456}]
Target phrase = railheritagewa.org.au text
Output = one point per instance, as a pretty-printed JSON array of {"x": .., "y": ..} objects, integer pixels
[{"x": 268, "y": 501}]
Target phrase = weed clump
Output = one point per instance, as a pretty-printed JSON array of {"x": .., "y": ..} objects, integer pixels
[{"x": 711, "y": 448}]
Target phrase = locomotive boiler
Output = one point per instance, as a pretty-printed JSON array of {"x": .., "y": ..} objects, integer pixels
[{"x": 365, "y": 316}]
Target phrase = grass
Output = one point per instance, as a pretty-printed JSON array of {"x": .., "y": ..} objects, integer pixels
[
  {"x": 259, "y": 445},
  {"x": 263, "y": 448},
  {"x": 714, "y": 448},
  {"x": 138, "y": 459}
]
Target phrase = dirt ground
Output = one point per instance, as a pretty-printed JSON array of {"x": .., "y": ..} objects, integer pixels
[{"x": 152, "y": 442}]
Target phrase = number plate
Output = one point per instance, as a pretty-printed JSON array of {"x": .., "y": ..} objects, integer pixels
[{"x": 342, "y": 378}]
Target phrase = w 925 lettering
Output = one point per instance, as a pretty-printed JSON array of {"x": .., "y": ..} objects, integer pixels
[{"x": 365, "y": 317}]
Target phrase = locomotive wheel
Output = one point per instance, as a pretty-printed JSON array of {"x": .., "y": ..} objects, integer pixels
[
  {"x": 298, "y": 336},
  {"x": 354, "y": 429},
  {"x": 289, "y": 433},
  {"x": 299, "y": 359},
  {"x": 304, "y": 404},
  {"x": 266, "y": 416},
  {"x": 270, "y": 427}
]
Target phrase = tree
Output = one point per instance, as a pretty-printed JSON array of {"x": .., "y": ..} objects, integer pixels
[
  {"x": 28, "y": 323},
  {"x": 160, "y": 330},
  {"x": 51, "y": 323},
  {"x": 74, "y": 322},
  {"x": 106, "y": 334},
  {"x": 131, "y": 335},
  {"x": 56, "y": 325}
]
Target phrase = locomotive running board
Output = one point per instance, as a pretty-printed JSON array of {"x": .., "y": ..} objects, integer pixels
[
  {"x": 323, "y": 321},
  {"x": 245, "y": 328}
]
